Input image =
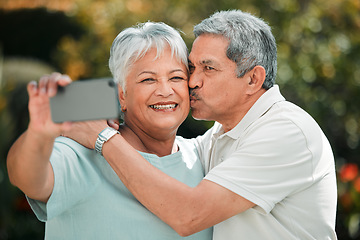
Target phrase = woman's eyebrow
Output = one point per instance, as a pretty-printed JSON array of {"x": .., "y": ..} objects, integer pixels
[
  {"x": 154, "y": 73},
  {"x": 177, "y": 70},
  {"x": 145, "y": 72}
]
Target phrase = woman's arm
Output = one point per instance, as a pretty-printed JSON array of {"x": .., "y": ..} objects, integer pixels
[{"x": 28, "y": 162}]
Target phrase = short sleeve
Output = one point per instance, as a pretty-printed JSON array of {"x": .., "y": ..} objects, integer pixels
[{"x": 75, "y": 178}]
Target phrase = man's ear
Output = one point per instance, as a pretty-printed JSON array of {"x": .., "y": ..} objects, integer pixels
[{"x": 256, "y": 79}]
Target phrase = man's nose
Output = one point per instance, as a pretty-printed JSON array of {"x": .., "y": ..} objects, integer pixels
[{"x": 196, "y": 80}]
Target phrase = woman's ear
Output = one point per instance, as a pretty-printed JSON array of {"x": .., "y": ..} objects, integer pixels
[
  {"x": 256, "y": 79},
  {"x": 122, "y": 99}
]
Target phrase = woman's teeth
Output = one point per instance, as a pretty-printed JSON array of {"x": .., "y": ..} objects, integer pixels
[{"x": 167, "y": 106}]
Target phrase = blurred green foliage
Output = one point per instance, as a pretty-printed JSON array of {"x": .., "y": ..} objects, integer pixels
[{"x": 318, "y": 69}]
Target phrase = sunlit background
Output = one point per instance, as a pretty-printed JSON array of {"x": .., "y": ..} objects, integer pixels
[{"x": 318, "y": 69}]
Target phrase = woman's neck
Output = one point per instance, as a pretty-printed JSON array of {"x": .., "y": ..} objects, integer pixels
[{"x": 160, "y": 145}]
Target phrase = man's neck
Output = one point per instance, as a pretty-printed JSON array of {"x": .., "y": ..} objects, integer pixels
[{"x": 234, "y": 117}]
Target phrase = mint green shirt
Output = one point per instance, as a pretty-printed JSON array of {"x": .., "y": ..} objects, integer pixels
[{"x": 90, "y": 202}]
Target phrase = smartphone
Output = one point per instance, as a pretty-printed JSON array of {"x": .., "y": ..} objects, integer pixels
[{"x": 84, "y": 100}]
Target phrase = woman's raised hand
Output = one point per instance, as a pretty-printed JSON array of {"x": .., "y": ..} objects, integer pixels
[{"x": 39, "y": 105}]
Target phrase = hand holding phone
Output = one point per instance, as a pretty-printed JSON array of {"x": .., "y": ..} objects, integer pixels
[{"x": 85, "y": 100}]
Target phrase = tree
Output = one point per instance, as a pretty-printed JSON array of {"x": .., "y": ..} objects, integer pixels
[{"x": 318, "y": 65}]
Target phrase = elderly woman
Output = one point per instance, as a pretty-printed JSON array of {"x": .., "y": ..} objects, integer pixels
[{"x": 72, "y": 188}]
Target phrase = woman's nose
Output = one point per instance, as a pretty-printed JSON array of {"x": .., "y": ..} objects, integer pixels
[{"x": 164, "y": 89}]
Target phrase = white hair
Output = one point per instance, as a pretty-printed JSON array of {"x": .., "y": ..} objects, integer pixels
[{"x": 133, "y": 43}]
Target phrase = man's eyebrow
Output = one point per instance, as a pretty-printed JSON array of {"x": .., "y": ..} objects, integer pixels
[
  {"x": 203, "y": 62},
  {"x": 207, "y": 61},
  {"x": 213, "y": 63}
]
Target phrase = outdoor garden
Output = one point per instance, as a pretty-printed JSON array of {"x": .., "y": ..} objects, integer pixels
[{"x": 318, "y": 69}]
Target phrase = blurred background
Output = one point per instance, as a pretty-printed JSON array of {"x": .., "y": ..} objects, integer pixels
[{"x": 318, "y": 69}]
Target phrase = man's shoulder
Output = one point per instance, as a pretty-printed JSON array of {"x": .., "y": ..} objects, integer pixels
[{"x": 293, "y": 117}]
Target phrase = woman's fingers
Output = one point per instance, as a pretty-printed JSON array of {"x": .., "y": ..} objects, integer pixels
[
  {"x": 32, "y": 88},
  {"x": 55, "y": 80},
  {"x": 64, "y": 80},
  {"x": 43, "y": 84},
  {"x": 52, "y": 84},
  {"x": 48, "y": 84}
]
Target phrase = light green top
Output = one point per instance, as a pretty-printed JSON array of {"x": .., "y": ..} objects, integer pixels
[{"x": 90, "y": 202}]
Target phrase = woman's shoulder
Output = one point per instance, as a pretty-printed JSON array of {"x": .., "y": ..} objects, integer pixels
[
  {"x": 65, "y": 144},
  {"x": 68, "y": 153}
]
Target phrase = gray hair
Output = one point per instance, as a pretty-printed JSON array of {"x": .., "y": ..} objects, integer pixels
[
  {"x": 133, "y": 43},
  {"x": 251, "y": 42}
]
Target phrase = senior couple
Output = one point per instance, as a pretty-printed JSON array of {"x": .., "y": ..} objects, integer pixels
[{"x": 265, "y": 170}]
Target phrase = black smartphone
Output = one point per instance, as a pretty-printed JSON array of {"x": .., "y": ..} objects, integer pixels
[{"x": 85, "y": 100}]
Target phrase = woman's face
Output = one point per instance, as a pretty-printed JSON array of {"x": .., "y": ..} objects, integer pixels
[{"x": 157, "y": 95}]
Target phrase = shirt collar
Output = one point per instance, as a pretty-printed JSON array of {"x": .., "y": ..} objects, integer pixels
[{"x": 261, "y": 106}]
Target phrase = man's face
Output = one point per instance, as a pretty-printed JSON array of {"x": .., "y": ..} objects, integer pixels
[{"x": 216, "y": 92}]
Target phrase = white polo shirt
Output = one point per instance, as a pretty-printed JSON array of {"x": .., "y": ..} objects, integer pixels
[{"x": 278, "y": 158}]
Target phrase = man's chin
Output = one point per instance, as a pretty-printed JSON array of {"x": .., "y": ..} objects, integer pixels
[{"x": 196, "y": 114}]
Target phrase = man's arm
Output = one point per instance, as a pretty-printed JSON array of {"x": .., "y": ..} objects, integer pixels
[
  {"x": 28, "y": 162},
  {"x": 187, "y": 210}
]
